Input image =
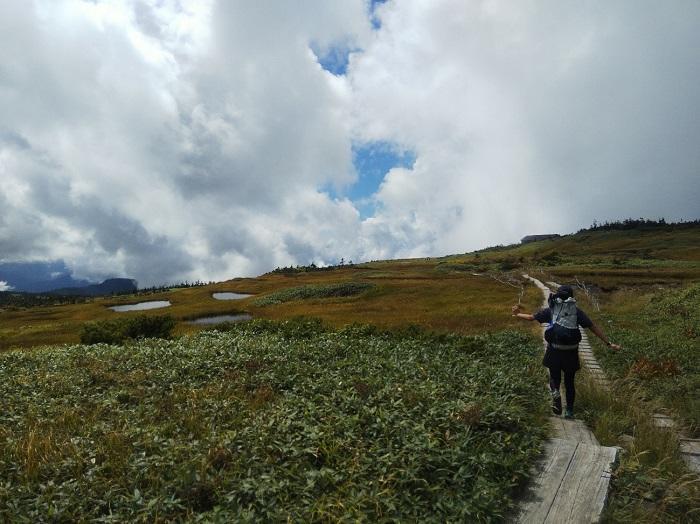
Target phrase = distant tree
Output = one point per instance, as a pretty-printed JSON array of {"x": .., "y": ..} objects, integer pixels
[{"x": 629, "y": 224}]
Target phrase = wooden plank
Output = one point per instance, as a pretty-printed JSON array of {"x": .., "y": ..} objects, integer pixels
[
  {"x": 583, "y": 491},
  {"x": 690, "y": 453},
  {"x": 573, "y": 429},
  {"x": 692, "y": 461},
  {"x": 571, "y": 485},
  {"x": 559, "y": 428},
  {"x": 544, "y": 487},
  {"x": 690, "y": 445},
  {"x": 663, "y": 421}
]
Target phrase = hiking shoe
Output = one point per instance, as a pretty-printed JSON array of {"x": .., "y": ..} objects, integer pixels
[
  {"x": 556, "y": 402},
  {"x": 569, "y": 413}
]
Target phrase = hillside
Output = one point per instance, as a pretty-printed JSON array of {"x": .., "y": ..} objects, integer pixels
[
  {"x": 459, "y": 293},
  {"x": 434, "y": 405}
]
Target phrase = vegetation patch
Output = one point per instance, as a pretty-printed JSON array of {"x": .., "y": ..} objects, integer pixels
[
  {"x": 661, "y": 341},
  {"x": 271, "y": 422},
  {"x": 651, "y": 483},
  {"x": 342, "y": 289},
  {"x": 116, "y": 331}
]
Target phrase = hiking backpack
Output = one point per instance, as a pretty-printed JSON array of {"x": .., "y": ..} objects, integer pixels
[{"x": 563, "y": 332}]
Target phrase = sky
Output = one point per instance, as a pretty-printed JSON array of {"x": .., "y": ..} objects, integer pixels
[{"x": 166, "y": 140}]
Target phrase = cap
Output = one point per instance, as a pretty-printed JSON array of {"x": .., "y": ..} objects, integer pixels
[{"x": 565, "y": 292}]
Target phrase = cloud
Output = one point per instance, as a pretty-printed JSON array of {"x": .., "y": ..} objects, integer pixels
[
  {"x": 533, "y": 117},
  {"x": 166, "y": 140},
  {"x": 148, "y": 140},
  {"x": 4, "y": 286}
]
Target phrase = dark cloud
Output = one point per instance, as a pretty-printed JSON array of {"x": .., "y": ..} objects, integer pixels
[{"x": 12, "y": 139}]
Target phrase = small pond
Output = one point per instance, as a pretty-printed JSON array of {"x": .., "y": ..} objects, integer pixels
[
  {"x": 141, "y": 306},
  {"x": 230, "y": 296},
  {"x": 222, "y": 318}
]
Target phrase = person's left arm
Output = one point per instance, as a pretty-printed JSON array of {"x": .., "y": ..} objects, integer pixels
[
  {"x": 586, "y": 322},
  {"x": 599, "y": 333}
]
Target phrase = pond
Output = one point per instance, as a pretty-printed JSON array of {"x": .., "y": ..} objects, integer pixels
[
  {"x": 230, "y": 296},
  {"x": 141, "y": 306},
  {"x": 222, "y": 318}
]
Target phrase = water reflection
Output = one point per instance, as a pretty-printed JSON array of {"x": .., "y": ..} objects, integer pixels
[
  {"x": 222, "y": 318},
  {"x": 230, "y": 296},
  {"x": 141, "y": 306}
]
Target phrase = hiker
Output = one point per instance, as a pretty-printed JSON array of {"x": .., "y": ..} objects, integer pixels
[{"x": 562, "y": 336}]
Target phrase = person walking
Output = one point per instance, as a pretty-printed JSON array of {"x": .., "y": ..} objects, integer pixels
[{"x": 563, "y": 336}]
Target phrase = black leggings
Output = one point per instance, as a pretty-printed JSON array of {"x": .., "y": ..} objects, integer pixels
[{"x": 555, "y": 382}]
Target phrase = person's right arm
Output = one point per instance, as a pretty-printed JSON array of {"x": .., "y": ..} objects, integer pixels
[{"x": 524, "y": 316}]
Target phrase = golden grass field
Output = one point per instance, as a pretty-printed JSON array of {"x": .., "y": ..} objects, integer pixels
[
  {"x": 441, "y": 294},
  {"x": 405, "y": 292}
]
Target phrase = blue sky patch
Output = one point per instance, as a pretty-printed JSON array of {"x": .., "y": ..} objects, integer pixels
[
  {"x": 335, "y": 59},
  {"x": 376, "y": 22},
  {"x": 372, "y": 161}
]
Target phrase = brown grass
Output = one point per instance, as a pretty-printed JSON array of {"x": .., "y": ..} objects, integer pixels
[
  {"x": 405, "y": 292},
  {"x": 441, "y": 294}
]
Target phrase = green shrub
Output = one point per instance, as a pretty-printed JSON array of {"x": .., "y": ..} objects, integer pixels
[
  {"x": 271, "y": 423},
  {"x": 107, "y": 331},
  {"x": 651, "y": 483},
  {"x": 160, "y": 326},
  {"x": 661, "y": 342},
  {"x": 342, "y": 289},
  {"x": 508, "y": 264},
  {"x": 119, "y": 330}
]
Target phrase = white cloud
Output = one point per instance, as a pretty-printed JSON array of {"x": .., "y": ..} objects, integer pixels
[
  {"x": 4, "y": 286},
  {"x": 146, "y": 140},
  {"x": 531, "y": 117},
  {"x": 165, "y": 140}
]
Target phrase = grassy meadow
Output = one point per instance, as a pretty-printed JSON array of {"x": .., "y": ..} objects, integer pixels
[
  {"x": 392, "y": 390},
  {"x": 395, "y": 294},
  {"x": 271, "y": 422}
]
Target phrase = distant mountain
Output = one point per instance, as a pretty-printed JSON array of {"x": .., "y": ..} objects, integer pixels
[
  {"x": 56, "y": 278},
  {"x": 108, "y": 287},
  {"x": 38, "y": 277}
]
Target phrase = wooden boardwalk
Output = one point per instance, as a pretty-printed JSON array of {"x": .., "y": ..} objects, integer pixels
[
  {"x": 571, "y": 481},
  {"x": 690, "y": 452},
  {"x": 571, "y": 484},
  {"x": 689, "y": 448}
]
